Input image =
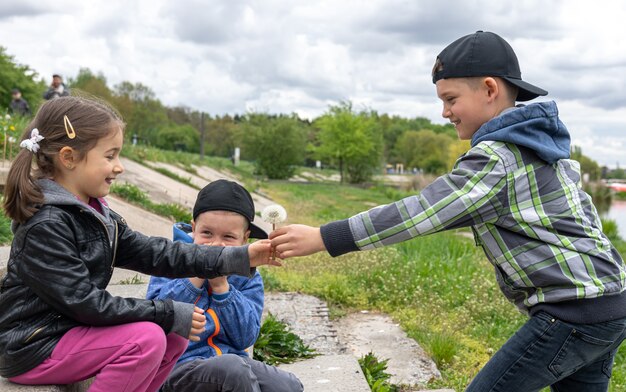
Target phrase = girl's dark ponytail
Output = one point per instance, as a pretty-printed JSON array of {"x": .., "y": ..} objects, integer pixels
[{"x": 21, "y": 193}]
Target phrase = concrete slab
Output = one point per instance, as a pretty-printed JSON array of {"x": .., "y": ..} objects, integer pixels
[
  {"x": 307, "y": 316},
  {"x": 7, "y": 386},
  {"x": 408, "y": 363},
  {"x": 4, "y": 258},
  {"x": 161, "y": 188},
  {"x": 329, "y": 373},
  {"x": 128, "y": 290},
  {"x": 141, "y": 220}
]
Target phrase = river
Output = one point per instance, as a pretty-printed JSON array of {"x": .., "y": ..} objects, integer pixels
[{"x": 617, "y": 212}]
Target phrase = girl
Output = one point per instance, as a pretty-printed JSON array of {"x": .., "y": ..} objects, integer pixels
[{"x": 58, "y": 324}]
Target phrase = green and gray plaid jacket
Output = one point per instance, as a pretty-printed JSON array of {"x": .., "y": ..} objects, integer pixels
[{"x": 536, "y": 225}]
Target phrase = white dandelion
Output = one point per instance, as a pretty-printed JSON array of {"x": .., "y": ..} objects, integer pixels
[{"x": 274, "y": 214}]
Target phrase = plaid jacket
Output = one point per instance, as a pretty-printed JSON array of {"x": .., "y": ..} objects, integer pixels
[{"x": 536, "y": 225}]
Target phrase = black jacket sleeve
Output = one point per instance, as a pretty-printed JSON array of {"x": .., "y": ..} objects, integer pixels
[{"x": 162, "y": 257}]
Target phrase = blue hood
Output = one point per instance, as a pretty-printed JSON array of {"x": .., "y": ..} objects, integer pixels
[{"x": 536, "y": 126}]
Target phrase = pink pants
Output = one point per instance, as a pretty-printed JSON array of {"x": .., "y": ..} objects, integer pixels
[{"x": 134, "y": 357}]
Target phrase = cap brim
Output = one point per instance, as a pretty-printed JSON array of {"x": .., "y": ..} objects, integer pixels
[
  {"x": 257, "y": 232},
  {"x": 526, "y": 90}
]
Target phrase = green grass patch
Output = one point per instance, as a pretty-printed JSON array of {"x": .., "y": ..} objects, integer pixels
[
  {"x": 136, "y": 279},
  {"x": 277, "y": 344},
  {"x": 136, "y": 196},
  {"x": 620, "y": 195},
  {"x": 6, "y": 235},
  {"x": 244, "y": 170},
  {"x": 174, "y": 176}
]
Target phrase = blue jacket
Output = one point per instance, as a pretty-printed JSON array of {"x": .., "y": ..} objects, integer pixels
[{"x": 233, "y": 320}]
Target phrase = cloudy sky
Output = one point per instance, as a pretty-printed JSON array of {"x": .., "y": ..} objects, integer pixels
[{"x": 284, "y": 56}]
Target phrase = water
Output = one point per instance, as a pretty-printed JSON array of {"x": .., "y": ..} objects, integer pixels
[{"x": 617, "y": 212}]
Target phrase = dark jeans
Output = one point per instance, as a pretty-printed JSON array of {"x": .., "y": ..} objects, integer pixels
[
  {"x": 550, "y": 352},
  {"x": 230, "y": 372}
]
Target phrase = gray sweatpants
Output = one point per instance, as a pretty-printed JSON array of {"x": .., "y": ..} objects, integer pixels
[{"x": 230, "y": 372}]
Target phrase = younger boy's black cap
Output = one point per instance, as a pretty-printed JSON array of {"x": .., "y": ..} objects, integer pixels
[
  {"x": 224, "y": 195},
  {"x": 483, "y": 54}
]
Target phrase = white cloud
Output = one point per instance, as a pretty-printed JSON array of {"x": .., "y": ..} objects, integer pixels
[{"x": 296, "y": 56}]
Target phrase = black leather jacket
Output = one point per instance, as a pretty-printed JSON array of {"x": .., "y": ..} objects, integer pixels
[{"x": 60, "y": 264}]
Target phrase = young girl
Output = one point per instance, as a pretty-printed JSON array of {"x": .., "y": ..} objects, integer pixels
[{"x": 58, "y": 324}]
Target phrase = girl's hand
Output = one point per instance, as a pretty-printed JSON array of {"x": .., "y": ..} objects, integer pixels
[
  {"x": 198, "y": 322},
  {"x": 297, "y": 240},
  {"x": 260, "y": 254}
]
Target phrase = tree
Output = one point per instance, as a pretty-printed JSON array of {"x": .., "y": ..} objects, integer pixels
[
  {"x": 276, "y": 144},
  {"x": 14, "y": 75},
  {"x": 587, "y": 165},
  {"x": 455, "y": 150},
  {"x": 350, "y": 140},
  {"x": 93, "y": 84},
  {"x": 143, "y": 113},
  {"x": 178, "y": 137},
  {"x": 425, "y": 150},
  {"x": 223, "y": 135}
]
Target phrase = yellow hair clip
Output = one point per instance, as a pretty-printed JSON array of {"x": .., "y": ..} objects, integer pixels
[{"x": 68, "y": 127}]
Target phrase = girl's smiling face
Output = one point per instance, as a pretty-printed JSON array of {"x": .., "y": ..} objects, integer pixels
[{"x": 92, "y": 176}]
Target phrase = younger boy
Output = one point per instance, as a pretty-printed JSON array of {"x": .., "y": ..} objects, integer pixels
[
  {"x": 523, "y": 198},
  {"x": 222, "y": 216}
]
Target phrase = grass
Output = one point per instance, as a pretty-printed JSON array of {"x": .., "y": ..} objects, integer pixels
[
  {"x": 277, "y": 344},
  {"x": 187, "y": 160},
  {"x": 174, "y": 176},
  {"x": 136, "y": 196},
  {"x": 6, "y": 235},
  {"x": 136, "y": 279}
]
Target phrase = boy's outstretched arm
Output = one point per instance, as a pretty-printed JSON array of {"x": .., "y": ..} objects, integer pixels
[{"x": 297, "y": 240}]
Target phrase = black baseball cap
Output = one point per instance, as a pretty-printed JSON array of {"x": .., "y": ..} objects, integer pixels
[
  {"x": 224, "y": 195},
  {"x": 483, "y": 54}
]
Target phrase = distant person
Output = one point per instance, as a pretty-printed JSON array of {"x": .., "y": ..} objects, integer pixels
[
  {"x": 57, "y": 88},
  {"x": 219, "y": 361},
  {"x": 522, "y": 196},
  {"x": 18, "y": 104}
]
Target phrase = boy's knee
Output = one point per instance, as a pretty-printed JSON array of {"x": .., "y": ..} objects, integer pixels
[
  {"x": 289, "y": 383},
  {"x": 235, "y": 366}
]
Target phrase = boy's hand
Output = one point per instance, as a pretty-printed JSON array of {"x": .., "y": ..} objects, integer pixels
[
  {"x": 297, "y": 240},
  {"x": 219, "y": 285},
  {"x": 198, "y": 322},
  {"x": 260, "y": 254}
]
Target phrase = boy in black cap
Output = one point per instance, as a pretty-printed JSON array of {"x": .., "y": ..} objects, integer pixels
[
  {"x": 222, "y": 216},
  {"x": 523, "y": 199}
]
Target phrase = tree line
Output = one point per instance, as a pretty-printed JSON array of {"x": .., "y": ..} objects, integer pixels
[{"x": 358, "y": 142}]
